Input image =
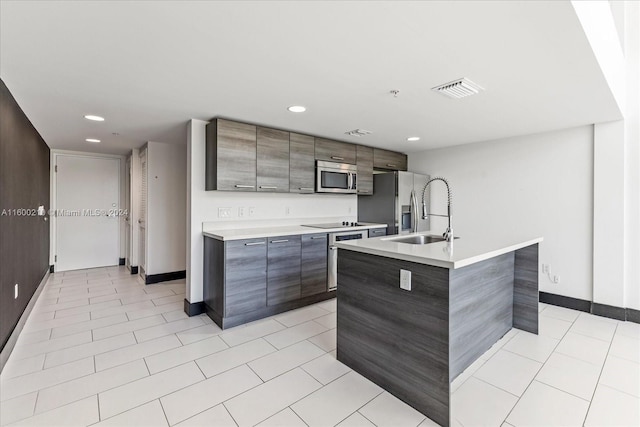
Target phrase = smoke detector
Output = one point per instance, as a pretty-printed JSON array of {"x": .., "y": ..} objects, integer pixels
[
  {"x": 358, "y": 132},
  {"x": 458, "y": 88}
]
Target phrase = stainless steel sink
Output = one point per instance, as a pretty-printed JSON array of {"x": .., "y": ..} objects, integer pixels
[{"x": 418, "y": 240}]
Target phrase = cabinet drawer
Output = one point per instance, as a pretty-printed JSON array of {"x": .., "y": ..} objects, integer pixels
[
  {"x": 335, "y": 151},
  {"x": 245, "y": 276},
  {"x": 390, "y": 160}
]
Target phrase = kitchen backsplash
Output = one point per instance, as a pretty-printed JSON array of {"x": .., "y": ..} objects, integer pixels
[{"x": 240, "y": 210}]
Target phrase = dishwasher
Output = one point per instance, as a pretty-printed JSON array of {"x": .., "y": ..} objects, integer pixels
[{"x": 332, "y": 262}]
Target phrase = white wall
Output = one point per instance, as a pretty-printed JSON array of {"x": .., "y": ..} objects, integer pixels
[
  {"x": 599, "y": 26},
  {"x": 166, "y": 217},
  {"x": 537, "y": 185},
  {"x": 632, "y": 156},
  {"x": 270, "y": 208},
  {"x": 608, "y": 214}
]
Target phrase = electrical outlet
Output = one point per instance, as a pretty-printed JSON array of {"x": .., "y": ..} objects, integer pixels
[
  {"x": 556, "y": 279},
  {"x": 405, "y": 280},
  {"x": 252, "y": 211},
  {"x": 287, "y": 210},
  {"x": 545, "y": 268},
  {"x": 240, "y": 212},
  {"x": 15, "y": 291},
  {"x": 224, "y": 212}
]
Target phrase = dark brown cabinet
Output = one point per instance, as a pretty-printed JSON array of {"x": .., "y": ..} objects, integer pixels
[
  {"x": 301, "y": 163},
  {"x": 230, "y": 156},
  {"x": 335, "y": 151},
  {"x": 389, "y": 160},
  {"x": 272, "y": 160},
  {"x": 364, "y": 161},
  {"x": 283, "y": 269},
  {"x": 313, "y": 275}
]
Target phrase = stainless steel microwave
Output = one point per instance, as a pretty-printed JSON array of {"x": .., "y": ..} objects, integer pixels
[{"x": 332, "y": 177}]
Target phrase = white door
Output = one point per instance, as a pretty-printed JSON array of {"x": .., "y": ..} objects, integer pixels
[{"x": 87, "y": 203}]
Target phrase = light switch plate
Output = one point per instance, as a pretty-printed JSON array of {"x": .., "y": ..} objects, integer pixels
[
  {"x": 224, "y": 212},
  {"x": 405, "y": 280}
]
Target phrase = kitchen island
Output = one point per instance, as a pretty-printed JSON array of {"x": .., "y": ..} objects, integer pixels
[{"x": 462, "y": 298}]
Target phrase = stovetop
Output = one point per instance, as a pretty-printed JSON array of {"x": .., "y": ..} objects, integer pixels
[{"x": 343, "y": 224}]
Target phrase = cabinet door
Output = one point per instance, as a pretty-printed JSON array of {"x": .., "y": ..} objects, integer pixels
[
  {"x": 283, "y": 269},
  {"x": 273, "y": 160},
  {"x": 364, "y": 157},
  {"x": 301, "y": 163},
  {"x": 390, "y": 160},
  {"x": 335, "y": 151},
  {"x": 231, "y": 156},
  {"x": 314, "y": 264},
  {"x": 245, "y": 276}
]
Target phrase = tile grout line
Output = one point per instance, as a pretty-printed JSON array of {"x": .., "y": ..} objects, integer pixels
[
  {"x": 539, "y": 369},
  {"x": 226, "y": 409},
  {"x": 599, "y": 376},
  {"x": 163, "y": 411}
]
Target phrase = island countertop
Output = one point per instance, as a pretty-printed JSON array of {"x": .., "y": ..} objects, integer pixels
[{"x": 467, "y": 250}]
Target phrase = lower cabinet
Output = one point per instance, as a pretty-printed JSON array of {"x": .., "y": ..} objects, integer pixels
[
  {"x": 313, "y": 275},
  {"x": 245, "y": 265},
  {"x": 246, "y": 280},
  {"x": 283, "y": 269}
]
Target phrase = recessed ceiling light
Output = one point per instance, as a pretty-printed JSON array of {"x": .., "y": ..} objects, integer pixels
[
  {"x": 92, "y": 140},
  {"x": 94, "y": 118},
  {"x": 413, "y": 138},
  {"x": 297, "y": 109}
]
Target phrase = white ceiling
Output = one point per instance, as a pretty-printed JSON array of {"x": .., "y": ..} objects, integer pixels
[{"x": 150, "y": 66}]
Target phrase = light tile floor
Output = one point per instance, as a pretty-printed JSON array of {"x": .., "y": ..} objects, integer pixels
[{"x": 101, "y": 348}]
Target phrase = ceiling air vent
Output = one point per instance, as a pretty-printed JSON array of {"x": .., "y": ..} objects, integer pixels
[
  {"x": 458, "y": 88},
  {"x": 358, "y": 132}
]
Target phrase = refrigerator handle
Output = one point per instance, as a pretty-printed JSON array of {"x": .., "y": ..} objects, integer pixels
[{"x": 414, "y": 212}]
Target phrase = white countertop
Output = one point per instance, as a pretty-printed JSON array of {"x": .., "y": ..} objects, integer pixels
[
  {"x": 464, "y": 251},
  {"x": 286, "y": 230}
]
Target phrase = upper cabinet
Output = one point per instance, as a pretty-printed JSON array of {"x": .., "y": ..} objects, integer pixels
[
  {"x": 335, "y": 151},
  {"x": 301, "y": 163},
  {"x": 389, "y": 160},
  {"x": 272, "y": 160},
  {"x": 231, "y": 156},
  {"x": 364, "y": 161},
  {"x": 244, "y": 157}
]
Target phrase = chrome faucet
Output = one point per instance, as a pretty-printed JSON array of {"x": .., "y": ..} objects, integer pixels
[{"x": 448, "y": 234}]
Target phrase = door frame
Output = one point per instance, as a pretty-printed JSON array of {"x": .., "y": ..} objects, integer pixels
[
  {"x": 134, "y": 205},
  {"x": 53, "y": 194}
]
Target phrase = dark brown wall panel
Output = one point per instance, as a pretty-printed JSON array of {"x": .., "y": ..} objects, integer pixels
[{"x": 24, "y": 184}]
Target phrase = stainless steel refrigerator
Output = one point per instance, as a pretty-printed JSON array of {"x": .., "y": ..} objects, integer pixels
[{"x": 396, "y": 201}]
